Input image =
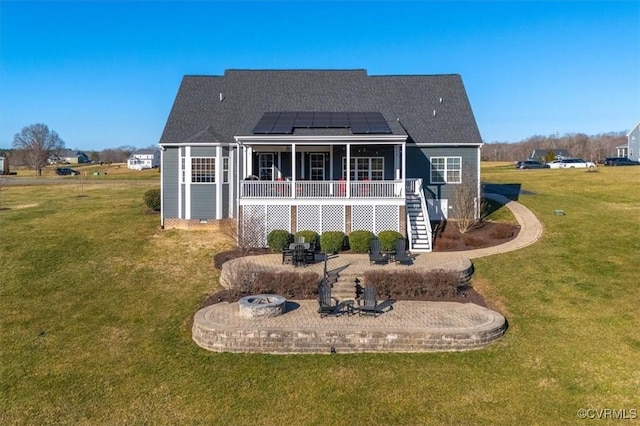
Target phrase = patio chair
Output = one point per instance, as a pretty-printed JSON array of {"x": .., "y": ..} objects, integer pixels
[
  {"x": 299, "y": 253},
  {"x": 369, "y": 304},
  {"x": 401, "y": 254},
  {"x": 326, "y": 302},
  {"x": 299, "y": 239},
  {"x": 287, "y": 255},
  {"x": 375, "y": 255}
]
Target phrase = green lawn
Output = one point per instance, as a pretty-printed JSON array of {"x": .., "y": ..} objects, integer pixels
[{"x": 96, "y": 303}]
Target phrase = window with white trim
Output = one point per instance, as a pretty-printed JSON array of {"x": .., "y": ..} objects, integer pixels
[
  {"x": 203, "y": 169},
  {"x": 446, "y": 169},
  {"x": 364, "y": 168},
  {"x": 265, "y": 166},
  {"x": 317, "y": 166},
  {"x": 225, "y": 169}
]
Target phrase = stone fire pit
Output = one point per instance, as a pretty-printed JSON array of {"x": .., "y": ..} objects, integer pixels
[{"x": 261, "y": 306}]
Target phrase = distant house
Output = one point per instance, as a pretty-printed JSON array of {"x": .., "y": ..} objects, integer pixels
[
  {"x": 541, "y": 154},
  {"x": 633, "y": 143},
  {"x": 144, "y": 159},
  {"x": 70, "y": 156},
  {"x": 4, "y": 166}
]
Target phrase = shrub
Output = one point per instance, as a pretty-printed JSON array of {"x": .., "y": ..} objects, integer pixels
[
  {"x": 331, "y": 241},
  {"x": 437, "y": 284},
  {"x": 388, "y": 239},
  {"x": 278, "y": 239},
  {"x": 309, "y": 236},
  {"x": 360, "y": 241},
  {"x": 152, "y": 199},
  {"x": 286, "y": 283}
]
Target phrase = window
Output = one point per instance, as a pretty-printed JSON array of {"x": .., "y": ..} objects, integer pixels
[
  {"x": 446, "y": 169},
  {"x": 265, "y": 166},
  {"x": 364, "y": 168},
  {"x": 317, "y": 166},
  {"x": 203, "y": 169},
  {"x": 225, "y": 169}
]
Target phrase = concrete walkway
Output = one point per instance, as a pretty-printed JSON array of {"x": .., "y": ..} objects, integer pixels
[{"x": 409, "y": 327}]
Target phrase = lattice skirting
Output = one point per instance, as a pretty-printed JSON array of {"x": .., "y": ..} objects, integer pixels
[{"x": 258, "y": 220}]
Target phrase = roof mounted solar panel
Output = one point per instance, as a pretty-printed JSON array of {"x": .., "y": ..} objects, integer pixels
[{"x": 285, "y": 122}]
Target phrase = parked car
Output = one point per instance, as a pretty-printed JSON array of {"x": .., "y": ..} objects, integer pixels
[
  {"x": 570, "y": 163},
  {"x": 66, "y": 171},
  {"x": 555, "y": 164},
  {"x": 620, "y": 161},
  {"x": 531, "y": 164}
]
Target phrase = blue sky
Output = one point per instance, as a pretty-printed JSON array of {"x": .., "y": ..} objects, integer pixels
[{"x": 105, "y": 74}]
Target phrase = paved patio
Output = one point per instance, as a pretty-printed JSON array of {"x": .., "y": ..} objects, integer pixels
[{"x": 409, "y": 327}]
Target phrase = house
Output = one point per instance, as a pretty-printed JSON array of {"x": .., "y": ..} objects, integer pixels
[
  {"x": 70, "y": 156},
  {"x": 4, "y": 165},
  {"x": 540, "y": 155},
  {"x": 144, "y": 159},
  {"x": 633, "y": 143},
  {"x": 319, "y": 150}
]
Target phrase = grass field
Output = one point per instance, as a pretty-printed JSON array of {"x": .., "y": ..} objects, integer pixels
[{"x": 96, "y": 303}]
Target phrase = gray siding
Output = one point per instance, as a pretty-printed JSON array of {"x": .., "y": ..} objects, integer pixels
[
  {"x": 170, "y": 179},
  {"x": 419, "y": 166},
  {"x": 203, "y": 201},
  {"x": 225, "y": 200},
  {"x": 203, "y": 151}
]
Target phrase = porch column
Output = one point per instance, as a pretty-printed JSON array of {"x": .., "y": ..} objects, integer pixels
[
  {"x": 248, "y": 162},
  {"x": 331, "y": 176},
  {"x": 396, "y": 161},
  {"x": 293, "y": 170},
  {"x": 348, "y": 192},
  {"x": 404, "y": 162}
]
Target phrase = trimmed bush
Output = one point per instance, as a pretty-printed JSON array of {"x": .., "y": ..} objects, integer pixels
[
  {"x": 309, "y": 236},
  {"x": 152, "y": 199},
  {"x": 388, "y": 239},
  {"x": 360, "y": 241},
  {"x": 436, "y": 284},
  {"x": 331, "y": 241},
  {"x": 278, "y": 239}
]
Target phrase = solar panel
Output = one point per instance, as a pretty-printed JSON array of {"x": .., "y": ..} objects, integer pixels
[{"x": 273, "y": 122}]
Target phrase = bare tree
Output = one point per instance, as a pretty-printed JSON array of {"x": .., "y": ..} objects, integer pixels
[
  {"x": 466, "y": 204},
  {"x": 38, "y": 143}
]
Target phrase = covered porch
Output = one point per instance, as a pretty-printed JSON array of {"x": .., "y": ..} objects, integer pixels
[{"x": 336, "y": 168}]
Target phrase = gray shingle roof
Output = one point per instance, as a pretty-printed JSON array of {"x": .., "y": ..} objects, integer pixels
[{"x": 199, "y": 115}]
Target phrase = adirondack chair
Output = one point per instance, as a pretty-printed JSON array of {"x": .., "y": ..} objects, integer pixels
[
  {"x": 375, "y": 255},
  {"x": 368, "y": 305},
  {"x": 326, "y": 302},
  {"x": 299, "y": 253},
  {"x": 401, "y": 255},
  {"x": 287, "y": 255}
]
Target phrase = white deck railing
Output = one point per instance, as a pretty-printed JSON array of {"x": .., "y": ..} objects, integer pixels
[{"x": 322, "y": 189}]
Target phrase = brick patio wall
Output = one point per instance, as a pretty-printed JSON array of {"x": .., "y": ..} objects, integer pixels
[{"x": 279, "y": 341}]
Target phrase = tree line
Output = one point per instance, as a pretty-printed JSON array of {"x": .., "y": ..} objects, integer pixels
[
  {"x": 36, "y": 144},
  {"x": 579, "y": 145}
]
